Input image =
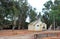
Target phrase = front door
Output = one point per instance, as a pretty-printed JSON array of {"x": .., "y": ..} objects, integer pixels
[{"x": 37, "y": 27}]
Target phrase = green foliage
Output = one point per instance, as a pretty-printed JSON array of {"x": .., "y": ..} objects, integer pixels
[
  {"x": 32, "y": 15},
  {"x": 15, "y": 12},
  {"x": 53, "y": 10}
]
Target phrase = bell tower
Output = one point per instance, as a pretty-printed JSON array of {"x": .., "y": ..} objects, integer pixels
[{"x": 39, "y": 17}]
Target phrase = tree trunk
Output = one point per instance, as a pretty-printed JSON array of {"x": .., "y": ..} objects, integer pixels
[
  {"x": 13, "y": 28},
  {"x": 19, "y": 21},
  {"x": 22, "y": 27},
  {"x": 14, "y": 22},
  {"x": 54, "y": 22},
  {"x": 19, "y": 27},
  {"x": 1, "y": 28}
]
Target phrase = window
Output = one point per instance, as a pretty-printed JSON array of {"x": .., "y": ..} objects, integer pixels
[
  {"x": 37, "y": 25},
  {"x": 43, "y": 27}
]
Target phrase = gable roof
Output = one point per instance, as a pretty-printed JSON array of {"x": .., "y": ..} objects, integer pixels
[{"x": 35, "y": 22}]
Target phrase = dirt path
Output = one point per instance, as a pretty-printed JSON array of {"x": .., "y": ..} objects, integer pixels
[
  {"x": 28, "y": 36},
  {"x": 23, "y": 34}
]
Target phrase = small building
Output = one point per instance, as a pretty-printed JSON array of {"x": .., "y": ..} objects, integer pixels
[{"x": 37, "y": 25}]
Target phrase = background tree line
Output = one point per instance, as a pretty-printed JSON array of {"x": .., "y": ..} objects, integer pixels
[{"x": 13, "y": 14}]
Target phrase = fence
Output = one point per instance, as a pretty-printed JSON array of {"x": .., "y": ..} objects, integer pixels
[{"x": 46, "y": 34}]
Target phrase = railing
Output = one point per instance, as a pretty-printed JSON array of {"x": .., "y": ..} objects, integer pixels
[{"x": 47, "y": 34}]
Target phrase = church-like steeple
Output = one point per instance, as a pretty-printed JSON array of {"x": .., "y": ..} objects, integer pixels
[{"x": 39, "y": 17}]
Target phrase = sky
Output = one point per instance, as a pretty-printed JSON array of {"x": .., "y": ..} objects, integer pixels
[{"x": 38, "y": 4}]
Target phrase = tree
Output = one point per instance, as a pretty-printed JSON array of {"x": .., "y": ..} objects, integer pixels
[
  {"x": 23, "y": 13},
  {"x": 53, "y": 11},
  {"x": 3, "y": 14},
  {"x": 15, "y": 11},
  {"x": 25, "y": 10},
  {"x": 9, "y": 11},
  {"x": 32, "y": 15}
]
